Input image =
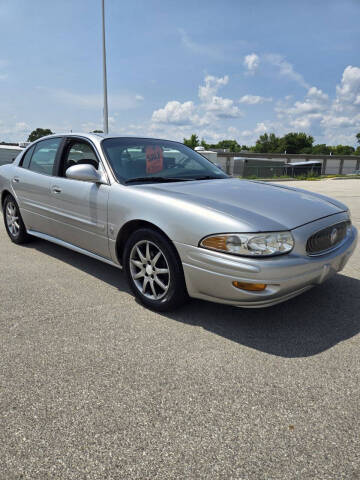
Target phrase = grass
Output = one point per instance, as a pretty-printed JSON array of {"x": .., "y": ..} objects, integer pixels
[
  {"x": 341, "y": 176},
  {"x": 254, "y": 177},
  {"x": 282, "y": 177}
]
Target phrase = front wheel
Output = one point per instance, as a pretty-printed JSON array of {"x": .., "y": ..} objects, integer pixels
[{"x": 154, "y": 270}]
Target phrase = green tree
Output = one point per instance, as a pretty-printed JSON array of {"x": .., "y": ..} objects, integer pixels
[
  {"x": 232, "y": 145},
  {"x": 267, "y": 143},
  {"x": 192, "y": 142},
  {"x": 343, "y": 150},
  {"x": 38, "y": 133},
  {"x": 296, "y": 142},
  {"x": 358, "y": 137},
  {"x": 204, "y": 144},
  {"x": 321, "y": 149}
]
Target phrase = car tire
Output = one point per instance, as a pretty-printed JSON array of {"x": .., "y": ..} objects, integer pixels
[
  {"x": 154, "y": 270},
  {"x": 13, "y": 222}
]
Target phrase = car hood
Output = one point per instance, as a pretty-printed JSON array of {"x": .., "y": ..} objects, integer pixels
[{"x": 258, "y": 205}]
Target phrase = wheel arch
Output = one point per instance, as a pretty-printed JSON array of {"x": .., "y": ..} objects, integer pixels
[
  {"x": 131, "y": 226},
  {"x": 4, "y": 194}
]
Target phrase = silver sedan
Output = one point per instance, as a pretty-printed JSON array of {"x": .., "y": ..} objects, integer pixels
[{"x": 174, "y": 222}]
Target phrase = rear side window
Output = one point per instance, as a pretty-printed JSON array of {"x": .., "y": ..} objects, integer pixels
[
  {"x": 43, "y": 158},
  {"x": 25, "y": 162}
]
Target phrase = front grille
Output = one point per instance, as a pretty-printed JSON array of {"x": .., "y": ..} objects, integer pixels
[{"x": 327, "y": 239}]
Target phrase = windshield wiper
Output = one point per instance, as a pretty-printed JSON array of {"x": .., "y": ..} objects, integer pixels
[
  {"x": 157, "y": 179},
  {"x": 208, "y": 177}
]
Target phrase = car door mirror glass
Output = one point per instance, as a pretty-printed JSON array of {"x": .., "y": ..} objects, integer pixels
[{"x": 85, "y": 173}]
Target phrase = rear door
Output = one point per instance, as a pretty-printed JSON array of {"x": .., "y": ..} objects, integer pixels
[
  {"x": 31, "y": 183},
  {"x": 80, "y": 208}
]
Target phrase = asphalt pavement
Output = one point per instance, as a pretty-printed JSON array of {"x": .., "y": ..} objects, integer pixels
[{"x": 94, "y": 386}]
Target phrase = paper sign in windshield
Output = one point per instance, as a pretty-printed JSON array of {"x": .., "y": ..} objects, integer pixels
[{"x": 154, "y": 159}]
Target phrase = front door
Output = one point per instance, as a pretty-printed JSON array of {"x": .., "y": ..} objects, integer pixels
[{"x": 80, "y": 208}]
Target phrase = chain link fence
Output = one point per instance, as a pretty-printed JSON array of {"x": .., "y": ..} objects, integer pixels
[{"x": 281, "y": 171}]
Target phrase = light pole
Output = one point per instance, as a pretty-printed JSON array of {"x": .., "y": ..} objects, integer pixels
[{"x": 106, "y": 121}]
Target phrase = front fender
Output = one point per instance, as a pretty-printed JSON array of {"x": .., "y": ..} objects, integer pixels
[{"x": 181, "y": 221}]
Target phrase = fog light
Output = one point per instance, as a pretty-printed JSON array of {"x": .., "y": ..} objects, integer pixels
[{"x": 251, "y": 287}]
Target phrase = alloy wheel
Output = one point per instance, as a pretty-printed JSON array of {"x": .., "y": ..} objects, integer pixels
[
  {"x": 149, "y": 270},
  {"x": 12, "y": 218}
]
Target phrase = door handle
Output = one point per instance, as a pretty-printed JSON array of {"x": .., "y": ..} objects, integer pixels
[
  {"x": 56, "y": 190},
  {"x": 16, "y": 179}
]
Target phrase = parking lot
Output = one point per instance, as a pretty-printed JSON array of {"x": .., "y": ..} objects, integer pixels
[{"x": 94, "y": 386}]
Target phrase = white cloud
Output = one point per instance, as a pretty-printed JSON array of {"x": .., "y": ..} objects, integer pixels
[
  {"x": 343, "y": 117},
  {"x": 222, "y": 107},
  {"x": 211, "y": 107},
  {"x": 212, "y": 85},
  {"x": 219, "y": 106},
  {"x": 332, "y": 120},
  {"x": 252, "y": 62},
  {"x": 176, "y": 113},
  {"x": 286, "y": 69},
  {"x": 254, "y": 99},
  {"x": 315, "y": 101},
  {"x": 302, "y": 123},
  {"x": 317, "y": 94},
  {"x": 261, "y": 128},
  {"x": 348, "y": 92},
  {"x": 337, "y": 122}
]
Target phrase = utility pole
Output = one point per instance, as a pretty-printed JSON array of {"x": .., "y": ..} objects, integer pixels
[{"x": 106, "y": 121}]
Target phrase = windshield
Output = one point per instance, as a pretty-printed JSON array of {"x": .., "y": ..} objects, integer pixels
[{"x": 140, "y": 160}]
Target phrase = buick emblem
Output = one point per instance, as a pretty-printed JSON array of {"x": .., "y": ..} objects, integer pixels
[{"x": 333, "y": 235}]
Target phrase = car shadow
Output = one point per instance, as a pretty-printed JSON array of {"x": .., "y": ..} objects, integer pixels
[{"x": 303, "y": 326}]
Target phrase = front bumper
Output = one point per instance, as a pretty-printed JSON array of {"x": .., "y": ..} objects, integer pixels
[{"x": 209, "y": 274}]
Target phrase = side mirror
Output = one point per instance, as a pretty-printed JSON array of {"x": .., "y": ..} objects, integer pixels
[{"x": 84, "y": 172}]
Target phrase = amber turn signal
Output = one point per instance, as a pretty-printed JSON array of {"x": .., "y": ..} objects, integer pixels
[
  {"x": 251, "y": 287},
  {"x": 216, "y": 242}
]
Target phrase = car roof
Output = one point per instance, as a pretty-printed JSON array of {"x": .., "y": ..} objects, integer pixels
[{"x": 101, "y": 136}]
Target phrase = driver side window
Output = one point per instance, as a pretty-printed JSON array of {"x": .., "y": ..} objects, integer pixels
[{"x": 79, "y": 153}]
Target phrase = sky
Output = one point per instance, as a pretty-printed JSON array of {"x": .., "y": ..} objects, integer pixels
[{"x": 221, "y": 69}]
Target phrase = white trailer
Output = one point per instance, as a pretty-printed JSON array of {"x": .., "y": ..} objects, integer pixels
[{"x": 8, "y": 153}]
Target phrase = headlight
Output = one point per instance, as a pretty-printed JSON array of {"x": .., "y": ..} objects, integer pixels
[{"x": 250, "y": 244}]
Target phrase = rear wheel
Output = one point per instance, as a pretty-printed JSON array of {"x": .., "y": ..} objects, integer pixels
[
  {"x": 13, "y": 222},
  {"x": 154, "y": 270}
]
